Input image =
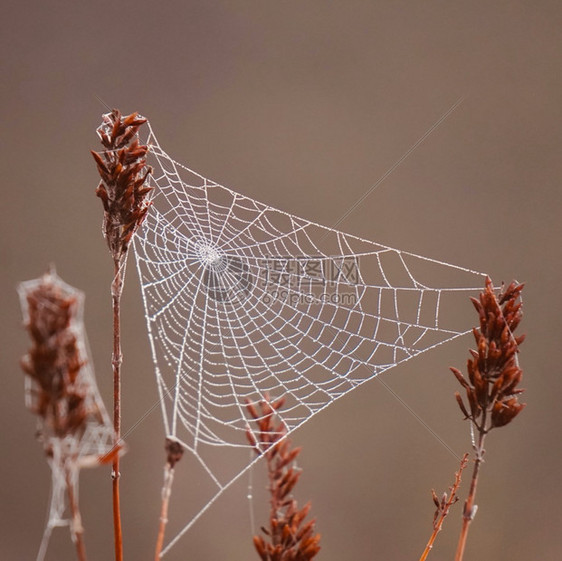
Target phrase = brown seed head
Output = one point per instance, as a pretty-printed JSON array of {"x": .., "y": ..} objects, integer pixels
[
  {"x": 289, "y": 537},
  {"x": 124, "y": 172},
  {"x": 54, "y": 360},
  {"x": 493, "y": 370}
]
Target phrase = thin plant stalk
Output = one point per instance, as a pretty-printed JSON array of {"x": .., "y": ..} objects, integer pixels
[
  {"x": 166, "y": 492},
  {"x": 76, "y": 521},
  {"x": 469, "y": 506},
  {"x": 124, "y": 195},
  {"x": 117, "y": 359},
  {"x": 174, "y": 453},
  {"x": 492, "y": 388},
  {"x": 443, "y": 507}
]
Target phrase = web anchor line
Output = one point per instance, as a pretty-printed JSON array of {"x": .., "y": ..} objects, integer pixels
[{"x": 243, "y": 300}]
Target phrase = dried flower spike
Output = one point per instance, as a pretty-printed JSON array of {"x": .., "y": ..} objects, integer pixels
[
  {"x": 493, "y": 370},
  {"x": 53, "y": 363},
  {"x": 61, "y": 391},
  {"x": 123, "y": 170},
  {"x": 124, "y": 195},
  {"x": 289, "y": 537},
  {"x": 60, "y": 382},
  {"x": 493, "y": 378}
]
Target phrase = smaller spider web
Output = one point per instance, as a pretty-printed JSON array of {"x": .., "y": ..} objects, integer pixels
[
  {"x": 67, "y": 455},
  {"x": 243, "y": 301}
]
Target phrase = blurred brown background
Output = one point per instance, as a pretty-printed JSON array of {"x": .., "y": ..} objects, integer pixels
[{"x": 303, "y": 105}]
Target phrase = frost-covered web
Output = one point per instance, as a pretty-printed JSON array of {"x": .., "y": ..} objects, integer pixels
[
  {"x": 243, "y": 300},
  {"x": 67, "y": 455}
]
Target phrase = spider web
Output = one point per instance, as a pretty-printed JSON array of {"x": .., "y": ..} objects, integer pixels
[
  {"x": 245, "y": 302},
  {"x": 66, "y": 455}
]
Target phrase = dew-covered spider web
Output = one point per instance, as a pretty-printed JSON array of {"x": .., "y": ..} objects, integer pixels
[
  {"x": 243, "y": 301},
  {"x": 85, "y": 447}
]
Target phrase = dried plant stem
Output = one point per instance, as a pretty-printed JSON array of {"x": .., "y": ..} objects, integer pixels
[
  {"x": 166, "y": 492},
  {"x": 73, "y": 425},
  {"x": 431, "y": 540},
  {"x": 443, "y": 507},
  {"x": 492, "y": 388},
  {"x": 469, "y": 506},
  {"x": 174, "y": 452},
  {"x": 122, "y": 190},
  {"x": 117, "y": 359},
  {"x": 76, "y": 521}
]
